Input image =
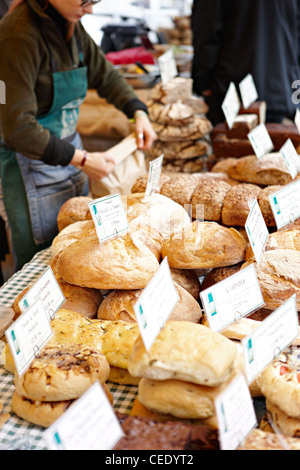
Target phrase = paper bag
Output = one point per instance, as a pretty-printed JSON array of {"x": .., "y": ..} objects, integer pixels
[{"x": 130, "y": 164}]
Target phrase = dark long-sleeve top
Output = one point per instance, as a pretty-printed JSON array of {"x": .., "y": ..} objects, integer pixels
[
  {"x": 25, "y": 68},
  {"x": 232, "y": 38}
]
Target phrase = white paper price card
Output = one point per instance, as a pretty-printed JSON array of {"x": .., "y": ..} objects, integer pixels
[
  {"x": 285, "y": 204},
  {"x": 291, "y": 157},
  {"x": 268, "y": 340},
  {"x": 167, "y": 66},
  {"x": 109, "y": 217},
  {"x": 231, "y": 105},
  {"x": 89, "y": 424},
  {"x": 256, "y": 230},
  {"x": 155, "y": 304},
  {"x": 233, "y": 298},
  {"x": 28, "y": 335},
  {"x": 261, "y": 141},
  {"x": 155, "y": 168},
  {"x": 235, "y": 413},
  {"x": 48, "y": 290},
  {"x": 248, "y": 91}
]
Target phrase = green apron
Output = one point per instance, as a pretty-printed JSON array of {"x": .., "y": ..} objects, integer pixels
[{"x": 33, "y": 192}]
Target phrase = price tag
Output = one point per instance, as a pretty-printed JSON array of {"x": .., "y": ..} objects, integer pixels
[
  {"x": 28, "y": 334},
  {"x": 267, "y": 341},
  {"x": 89, "y": 424},
  {"x": 155, "y": 168},
  {"x": 235, "y": 413},
  {"x": 168, "y": 67},
  {"x": 155, "y": 304},
  {"x": 48, "y": 290},
  {"x": 248, "y": 91},
  {"x": 231, "y": 105},
  {"x": 291, "y": 158},
  {"x": 261, "y": 141},
  {"x": 297, "y": 119},
  {"x": 109, "y": 217},
  {"x": 285, "y": 204},
  {"x": 257, "y": 230},
  {"x": 233, "y": 298}
]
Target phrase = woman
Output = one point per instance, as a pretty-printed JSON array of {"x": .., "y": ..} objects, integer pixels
[{"x": 47, "y": 62}]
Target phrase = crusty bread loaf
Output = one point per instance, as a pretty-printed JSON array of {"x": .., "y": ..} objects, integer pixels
[
  {"x": 185, "y": 351},
  {"x": 74, "y": 210},
  {"x": 178, "y": 88},
  {"x": 236, "y": 209},
  {"x": 217, "y": 275},
  {"x": 203, "y": 245},
  {"x": 62, "y": 373},
  {"x": 266, "y": 171},
  {"x": 176, "y": 114},
  {"x": 119, "y": 305},
  {"x": 116, "y": 264},
  {"x": 183, "y": 400},
  {"x": 210, "y": 194},
  {"x": 222, "y": 166},
  {"x": 279, "y": 276}
]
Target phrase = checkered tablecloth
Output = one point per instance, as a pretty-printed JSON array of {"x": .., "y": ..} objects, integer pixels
[{"x": 17, "y": 433}]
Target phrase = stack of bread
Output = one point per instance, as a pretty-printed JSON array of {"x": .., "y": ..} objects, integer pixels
[
  {"x": 185, "y": 369},
  {"x": 182, "y": 128}
]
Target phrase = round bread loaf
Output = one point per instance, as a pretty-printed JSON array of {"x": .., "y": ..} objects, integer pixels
[
  {"x": 203, "y": 245},
  {"x": 74, "y": 210},
  {"x": 210, "y": 195},
  {"x": 188, "y": 279},
  {"x": 119, "y": 305},
  {"x": 62, "y": 372},
  {"x": 116, "y": 264},
  {"x": 185, "y": 351}
]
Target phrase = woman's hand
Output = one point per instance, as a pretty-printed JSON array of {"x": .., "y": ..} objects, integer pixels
[
  {"x": 96, "y": 165},
  {"x": 144, "y": 130}
]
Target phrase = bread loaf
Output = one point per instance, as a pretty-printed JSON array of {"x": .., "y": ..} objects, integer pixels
[
  {"x": 119, "y": 305},
  {"x": 187, "y": 352},
  {"x": 265, "y": 206},
  {"x": 70, "y": 234},
  {"x": 184, "y": 150},
  {"x": 116, "y": 264},
  {"x": 266, "y": 171},
  {"x": 236, "y": 209},
  {"x": 210, "y": 194},
  {"x": 203, "y": 245},
  {"x": 199, "y": 128},
  {"x": 74, "y": 210}
]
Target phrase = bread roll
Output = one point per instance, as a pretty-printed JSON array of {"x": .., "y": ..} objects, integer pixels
[
  {"x": 204, "y": 245},
  {"x": 236, "y": 204},
  {"x": 119, "y": 305},
  {"x": 185, "y": 351}
]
